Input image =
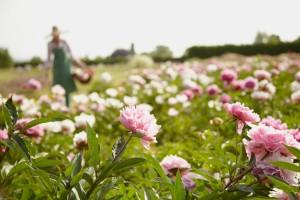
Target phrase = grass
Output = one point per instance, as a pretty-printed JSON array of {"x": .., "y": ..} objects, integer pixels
[{"x": 11, "y": 79}]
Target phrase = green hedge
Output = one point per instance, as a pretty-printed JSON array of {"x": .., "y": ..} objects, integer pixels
[{"x": 247, "y": 50}]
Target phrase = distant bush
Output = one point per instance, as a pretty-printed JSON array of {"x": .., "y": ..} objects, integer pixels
[
  {"x": 89, "y": 61},
  {"x": 141, "y": 61},
  {"x": 264, "y": 38},
  {"x": 247, "y": 50},
  {"x": 5, "y": 59},
  {"x": 161, "y": 53},
  {"x": 35, "y": 61},
  {"x": 115, "y": 60}
]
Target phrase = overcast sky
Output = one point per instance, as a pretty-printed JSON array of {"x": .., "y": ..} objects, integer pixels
[{"x": 97, "y": 27}]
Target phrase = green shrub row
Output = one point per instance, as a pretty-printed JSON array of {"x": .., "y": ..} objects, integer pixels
[{"x": 247, "y": 50}]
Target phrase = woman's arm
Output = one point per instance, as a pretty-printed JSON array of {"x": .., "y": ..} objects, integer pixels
[
  {"x": 76, "y": 62},
  {"x": 49, "y": 53},
  {"x": 47, "y": 63}
]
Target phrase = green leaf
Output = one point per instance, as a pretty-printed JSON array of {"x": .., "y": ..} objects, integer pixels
[
  {"x": 149, "y": 194},
  {"x": 76, "y": 164},
  {"x": 44, "y": 179},
  {"x": 288, "y": 166},
  {"x": 81, "y": 192},
  {"x": 244, "y": 188},
  {"x": 18, "y": 167},
  {"x": 294, "y": 151},
  {"x": 12, "y": 110},
  {"x": 106, "y": 186},
  {"x": 21, "y": 144},
  {"x": 106, "y": 170},
  {"x": 127, "y": 164},
  {"x": 94, "y": 148},
  {"x": 118, "y": 146},
  {"x": 280, "y": 184},
  {"x": 7, "y": 118},
  {"x": 75, "y": 179},
  {"x": 44, "y": 162},
  {"x": 26, "y": 194},
  {"x": 88, "y": 178},
  {"x": 179, "y": 190},
  {"x": 155, "y": 164}
]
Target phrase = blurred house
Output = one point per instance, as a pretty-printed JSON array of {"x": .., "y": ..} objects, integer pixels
[{"x": 124, "y": 52}]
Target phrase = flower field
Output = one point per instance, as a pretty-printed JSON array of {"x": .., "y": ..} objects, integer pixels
[{"x": 222, "y": 128}]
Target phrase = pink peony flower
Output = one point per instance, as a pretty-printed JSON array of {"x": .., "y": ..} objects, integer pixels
[
  {"x": 70, "y": 157},
  {"x": 265, "y": 168},
  {"x": 34, "y": 132},
  {"x": 197, "y": 90},
  {"x": 172, "y": 163},
  {"x": 225, "y": 98},
  {"x": 18, "y": 99},
  {"x": 243, "y": 115},
  {"x": 140, "y": 121},
  {"x": 238, "y": 85},
  {"x": 295, "y": 133},
  {"x": 3, "y": 136},
  {"x": 275, "y": 123},
  {"x": 213, "y": 90},
  {"x": 169, "y": 163},
  {"x": 228, "y": 75},
  {"x": 189, "y": 94},
  {"x": 250, "y": 83},
  {"x": 32, "y": 84}
]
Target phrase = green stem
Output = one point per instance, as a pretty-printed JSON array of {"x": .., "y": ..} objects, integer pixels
[
  {"x": 122, "y": 149},
  {"x": 242, "y": 174},
  {"x": 97, "y": 181}
]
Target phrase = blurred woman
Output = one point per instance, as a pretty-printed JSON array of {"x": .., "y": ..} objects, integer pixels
[{"x": 60, "y": 55}]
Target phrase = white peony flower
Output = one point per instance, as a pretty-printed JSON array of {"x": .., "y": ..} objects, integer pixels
[
  {"x": 172, "y": 112},
  {"x": 67, "y": 126},
  {"x": 105, "y": 77},
  {"x": 111, "y": 92},
  {"x": 83, "y": 119}
]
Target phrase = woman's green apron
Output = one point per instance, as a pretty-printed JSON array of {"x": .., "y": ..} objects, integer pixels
[{"x": 62, "y": 72}]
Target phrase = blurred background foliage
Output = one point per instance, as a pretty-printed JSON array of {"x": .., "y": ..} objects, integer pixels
[{"x": 267, "y": 44}]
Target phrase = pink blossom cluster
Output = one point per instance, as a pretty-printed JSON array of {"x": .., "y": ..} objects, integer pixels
[
  {"x": 229, "y": 78},
  {"x": 295, "y": 96},
  {"x": 3, "y": 136},
  {"x": 268, "y": 141},
  {"x": 32, "y": 84}
]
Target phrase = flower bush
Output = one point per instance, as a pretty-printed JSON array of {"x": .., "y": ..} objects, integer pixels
[{"x": 215, "y": 129}]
